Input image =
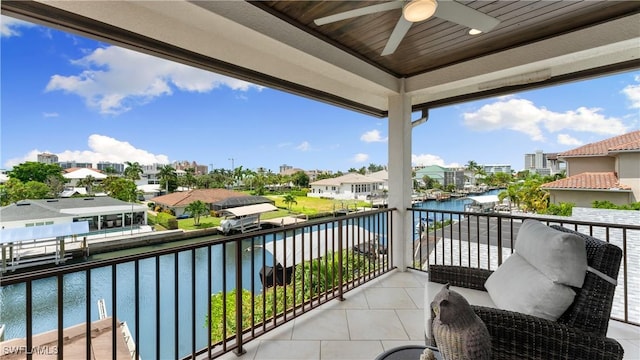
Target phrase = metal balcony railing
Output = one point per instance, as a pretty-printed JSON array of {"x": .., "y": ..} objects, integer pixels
[
  {"x": 200, "y": 299},
  {"x": 485, "y": 240},
  {"x": 181, "y": 301}
]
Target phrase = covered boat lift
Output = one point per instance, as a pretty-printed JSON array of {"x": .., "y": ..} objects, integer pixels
[
  {"x": 482, "y": 203},
  {"x": 244, "y": 218}
]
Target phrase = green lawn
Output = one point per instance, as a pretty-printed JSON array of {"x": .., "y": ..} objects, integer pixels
[
  {"x": 312, "y": 206},
  {"x": 205, "y": 222},
  {"x": 305, "y": 205}
]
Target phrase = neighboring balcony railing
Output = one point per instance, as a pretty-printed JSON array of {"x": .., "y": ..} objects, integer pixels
[
  {"x": 485, "y": 240},
  {"x": 199, "y": 299}
]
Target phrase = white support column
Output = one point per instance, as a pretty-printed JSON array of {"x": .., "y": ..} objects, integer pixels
[{"x": 400, "y": 181}]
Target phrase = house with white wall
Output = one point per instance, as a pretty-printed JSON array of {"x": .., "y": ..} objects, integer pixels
[
  {"x": 347, "y": 187},
  {"x": 76, "y": 174},
  {"x": 100, "y": 212}
]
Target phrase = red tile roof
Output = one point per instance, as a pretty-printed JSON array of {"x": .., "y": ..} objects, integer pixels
[
  {"x": 629, "y": 141},
  {"x": 207, "y": 196},
  {"x": 588, "y": 180}
]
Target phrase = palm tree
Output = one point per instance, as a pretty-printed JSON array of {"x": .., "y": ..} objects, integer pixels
[
  {"x": 289, "y": 199},
  {"x": 87, "y": 183},
  {"x": 110, "y": 170},
  {"x": 513, "y": 193},
  {"x": 197, "y": 209},
  {"x": 189, "y": 177},
  {"x": 167, "y": 173},
  {"x": 133, "y": 170},
  {"x": 238, "y": 175},
  {"x": 474, "y": 168}
]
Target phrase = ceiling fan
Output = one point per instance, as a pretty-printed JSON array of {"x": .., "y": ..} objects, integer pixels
[{"x": 416, "y": 11}]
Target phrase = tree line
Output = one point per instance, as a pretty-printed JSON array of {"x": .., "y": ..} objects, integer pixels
[{"x": 35, "y": 180}]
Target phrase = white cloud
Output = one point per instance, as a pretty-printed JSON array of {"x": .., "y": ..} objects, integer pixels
[
  {"x": 50, "y": 115},
  {"x": 565, "y": 139},
  {"x": 101, "y": 148},
  {"x": 633, "y": 93},
  {"x": 115, "y": 79},
  {"x": 524, "y": 116},
  {"x": 360, "y": 158},
  {"x": 372, "y": 136},
  {"x": 30, "y": 156},
  {"x": 429, "y": 159},
  {"x": 304, "y": 146},
  {"x": 9, "y": 26}
]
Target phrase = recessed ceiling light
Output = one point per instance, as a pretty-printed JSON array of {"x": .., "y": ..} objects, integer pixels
[{"x": 475, "y": 32}]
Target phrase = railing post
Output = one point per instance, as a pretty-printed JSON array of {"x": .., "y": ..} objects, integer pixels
[
  {"x": 340, "y": 260},
  {"x": 499, "y": 240},
  {"x": 29, "y": 319},
  {"x": 239, "y": 349},
  {"x": 4, "y": 258}
]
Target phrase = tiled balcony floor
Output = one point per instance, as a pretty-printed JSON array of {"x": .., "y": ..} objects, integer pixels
[{"x": 384, "y": 313}]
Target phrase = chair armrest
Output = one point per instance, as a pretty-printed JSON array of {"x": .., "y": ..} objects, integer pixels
[
  {"x": 519, "y": 336},
  {"x": 467, "y": 277}
]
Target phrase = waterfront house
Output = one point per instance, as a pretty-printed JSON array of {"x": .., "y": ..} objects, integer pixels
[
  {"x": 179, "y": 200},
  {"x": 382, "y": 175},
  {"x": 444, "y": 176},
  {"x": 434, "y": 172},
  {"x": 277, "y": 44},
  {"x": 603, "y": 170},
  {"x": 73, "y": 175},
  {"x": 352, "y": 186},
  {"x": 100, "y": 212}
]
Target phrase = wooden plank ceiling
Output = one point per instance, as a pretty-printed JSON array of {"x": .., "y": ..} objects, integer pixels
[{"x": 436, "y": 43}]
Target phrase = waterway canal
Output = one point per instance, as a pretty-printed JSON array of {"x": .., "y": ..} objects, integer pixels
[{"x": 12, "y": 298}]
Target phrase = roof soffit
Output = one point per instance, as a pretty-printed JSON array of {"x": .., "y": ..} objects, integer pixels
[{"x": 617, "y": 41}]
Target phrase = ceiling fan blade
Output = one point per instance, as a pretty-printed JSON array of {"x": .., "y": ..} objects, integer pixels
[
  {"x": 463, "y": 15},
  {"x": 401, "y": 29},
  {"x": 359, "y": 12}
]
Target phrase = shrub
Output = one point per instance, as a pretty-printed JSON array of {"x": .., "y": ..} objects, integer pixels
[
  {"x": 172, "y": 223},
  {"x": 302, "y": 192},
  {"x": 354, "y": 265},
  {"x": 561, "y": 209},
  {"x": 167, "y": 221},
  {"x": 605, "y": 204}
]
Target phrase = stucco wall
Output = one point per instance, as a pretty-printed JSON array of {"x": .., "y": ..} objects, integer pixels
[
  {"x": 577, "y": 166},
  {"x": 586, "y": 198},
  {"x": 629, "y": 172}
]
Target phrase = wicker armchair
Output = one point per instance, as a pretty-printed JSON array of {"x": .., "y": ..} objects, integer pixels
[{"x": 580, "y": 333}]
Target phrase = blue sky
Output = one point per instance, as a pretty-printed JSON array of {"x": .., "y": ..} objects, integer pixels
[{"x": 89, "y": 101}]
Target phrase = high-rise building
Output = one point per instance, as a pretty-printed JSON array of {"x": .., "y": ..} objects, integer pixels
[
  {"x": 543, "y": 163},
  {"x": 285, "y": 168},
  {"x": 74, "y": 164},
  {"x": 47, "y": 158},
  {"x": 496, "y": 168},
  {"x": 185, "y": 164},
  {"x": 104, "y": 165}
]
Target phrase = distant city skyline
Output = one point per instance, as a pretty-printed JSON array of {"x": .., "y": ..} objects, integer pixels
[{"x": 88, "y": 101}]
